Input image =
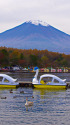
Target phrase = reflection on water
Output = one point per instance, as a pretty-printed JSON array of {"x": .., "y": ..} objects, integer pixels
[
  {"x": 44, "y": 92},
  {"x": 50, "y": 107}
]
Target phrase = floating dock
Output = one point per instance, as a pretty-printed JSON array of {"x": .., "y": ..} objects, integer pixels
[
  {"x": 29, "y": 84},
  {"x": 25, "y": 84}
]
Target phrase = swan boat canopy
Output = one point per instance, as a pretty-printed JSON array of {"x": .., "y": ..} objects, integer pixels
[
  {"x": 48, "y": 81},
  {"x": 8, "y": 82}
]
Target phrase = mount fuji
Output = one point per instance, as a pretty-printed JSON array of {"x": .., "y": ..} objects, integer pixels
[{"x": 36, "y": 35}]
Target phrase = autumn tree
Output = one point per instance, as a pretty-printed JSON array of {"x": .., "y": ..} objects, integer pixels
[
  {"x": 14, "y": 57},
  {"x": 21, "y": 61},
  {"x": 44, "y": 61}
]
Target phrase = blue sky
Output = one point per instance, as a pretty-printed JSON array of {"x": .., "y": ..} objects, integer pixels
[{"x": 53, "y": 12}]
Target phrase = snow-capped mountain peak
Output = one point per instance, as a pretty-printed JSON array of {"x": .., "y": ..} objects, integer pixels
[{"x": 37, "y": 22}]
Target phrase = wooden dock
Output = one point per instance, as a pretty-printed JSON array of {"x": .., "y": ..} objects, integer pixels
[
  {"x": 29, "y": 84},
  {"x": 25, "y": 84}
]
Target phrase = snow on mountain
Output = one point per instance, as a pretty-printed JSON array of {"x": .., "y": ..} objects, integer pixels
[{"x": 37, "y": 22}]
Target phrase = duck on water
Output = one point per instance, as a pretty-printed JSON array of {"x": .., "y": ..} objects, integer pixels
[{"x": 28, "y": 103}]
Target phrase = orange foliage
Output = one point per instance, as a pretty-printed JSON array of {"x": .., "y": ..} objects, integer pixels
[{"x": 44, "y": 57}]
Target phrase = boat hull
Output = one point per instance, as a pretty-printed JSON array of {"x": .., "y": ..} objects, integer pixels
[
  {"x": 9, "y": 86},
  {"x": 50, "y": 86}
]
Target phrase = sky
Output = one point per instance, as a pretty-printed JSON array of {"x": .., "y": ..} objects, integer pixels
[{"x": 54, "y": 12}]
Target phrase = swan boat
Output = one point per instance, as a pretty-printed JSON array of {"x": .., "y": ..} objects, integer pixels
[
  {"x": 8, "y": 82},
  {"x": 48, "y": 81}
]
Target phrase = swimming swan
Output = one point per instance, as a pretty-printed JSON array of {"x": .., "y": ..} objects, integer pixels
[{"x": 28, "y": 103}]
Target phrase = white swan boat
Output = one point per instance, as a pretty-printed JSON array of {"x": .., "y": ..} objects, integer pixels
[
  {"x": 48, "y": 81},
  {"x": 8, "y": 82}
]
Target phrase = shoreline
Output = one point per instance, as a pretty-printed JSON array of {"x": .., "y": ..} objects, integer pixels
[{"x": 20, "y": 71}]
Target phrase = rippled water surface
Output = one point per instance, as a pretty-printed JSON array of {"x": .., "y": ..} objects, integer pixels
[{"x": 50, "y": 107}]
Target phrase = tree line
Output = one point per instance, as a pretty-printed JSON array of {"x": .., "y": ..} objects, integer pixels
[{"x": 27, "y": 58}]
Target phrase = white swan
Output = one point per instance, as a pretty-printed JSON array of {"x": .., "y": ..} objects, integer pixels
[{"x": 28, "y": 103}]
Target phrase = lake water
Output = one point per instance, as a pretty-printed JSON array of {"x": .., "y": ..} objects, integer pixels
[{"x": 49, "y": 107}]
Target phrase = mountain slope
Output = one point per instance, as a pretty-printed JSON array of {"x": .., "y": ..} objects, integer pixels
[{"x": 31, "y": 36}]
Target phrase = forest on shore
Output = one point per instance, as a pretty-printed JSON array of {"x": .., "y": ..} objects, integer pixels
[{"x": 27, "y": 58}]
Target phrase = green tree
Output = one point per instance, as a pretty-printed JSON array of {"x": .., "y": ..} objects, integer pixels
[
  {"x": 21, "y": 56},
  {"x": 5, "y": 59},
  {"x": 33, "y": 60}
]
